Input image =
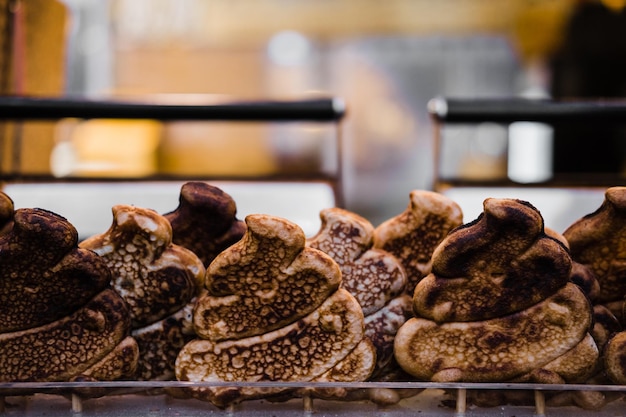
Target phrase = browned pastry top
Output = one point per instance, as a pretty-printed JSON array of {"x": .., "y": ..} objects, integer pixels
[
  {"x": 413, "y": 235},
  {"x": 615, "y": 358},
  {"x": 154, "y": 276},
  {"x": 580, "y": 274},
  {"x": 299, "y": 351},
  {"x": 65, "y": 348},
  {"x": 373, "y": 276},
  {"x": 265, "y": 281},
  {"x": 356, "y": 366},
  {"x": 6, "y": 210},
  {"x": 597, "y": 240},
  {"x": 501, "y": 263},
  {"x": 502, "y": 348},
  {"x": 43, "y": 274},
  {"x": 205, "y": 220}
]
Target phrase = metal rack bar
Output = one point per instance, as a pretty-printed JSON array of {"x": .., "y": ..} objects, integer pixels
[
  {"x": 324, "y": 110},
  {"x": 30, "y": 108},
  {"x": 449, "y": 111},
  {"x": 509, "y": 110}
]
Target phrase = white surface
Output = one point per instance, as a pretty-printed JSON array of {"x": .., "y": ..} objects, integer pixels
[
  {"x": 530, "y": 152},
  {"x": 559, "y": 207},
  {"x": 88, "y": 205}
]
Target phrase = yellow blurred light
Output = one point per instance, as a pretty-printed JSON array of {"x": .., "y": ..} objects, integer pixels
[
  {"x": 616, "y": 5},
  {"x": 114, "y": 147}
]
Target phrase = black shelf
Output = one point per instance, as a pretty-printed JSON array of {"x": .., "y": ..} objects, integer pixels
[
  {"x": 509, "y": 110},
  {"x": 32, "y": 108}
]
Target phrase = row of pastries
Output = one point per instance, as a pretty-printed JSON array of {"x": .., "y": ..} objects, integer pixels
[{"x": 199, "y": 295}]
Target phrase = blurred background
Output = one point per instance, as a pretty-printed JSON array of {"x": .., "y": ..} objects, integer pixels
[{"x": 384, "y": 59}]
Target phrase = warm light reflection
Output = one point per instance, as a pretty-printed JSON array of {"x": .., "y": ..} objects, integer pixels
[
  {"x": 616, "y": 5},
  {"x": 107, "y": 148}
]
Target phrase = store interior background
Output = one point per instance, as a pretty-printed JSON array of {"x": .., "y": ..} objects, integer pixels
[{"x": 385, "y": 59}]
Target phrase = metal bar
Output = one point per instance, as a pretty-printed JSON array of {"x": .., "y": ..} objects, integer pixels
[
  {"x": 509, "y": 110},
  {"x": 29, "y": 108},
  {"x": 280, "y": 177}
]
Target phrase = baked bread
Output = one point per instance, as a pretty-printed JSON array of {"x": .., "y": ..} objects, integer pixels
[
  {"x": 615, "y": 358},
  {"x": 374, "y": 276},
  {"x": 596, "y": 240},
  {"x": 500, "y": 264},
  {"x": 263, "y": 282},
  {"x": 604, "y": 325},
  {"x": 157, "y": 279},
  {"x": 413, "y": 235},
  {"x": 6, "y": 210},
  {"x": 273, "y": 311},
  {"x": 499, "y": 306},
  {"x": 205, "y": 220},
  {"x": 59, "y": 318}
]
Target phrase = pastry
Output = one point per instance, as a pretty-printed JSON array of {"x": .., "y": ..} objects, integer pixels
[
  {"x": 273, "y": 311},
  {"x": 59, "y": 318},
  {"x": 205, "y": 220},
  {"x": 156, "y": 278},
  {"x": 264, "y": 282},
  {"x": 374, "y": 276},
  {"x": 596, "y": 240},
  {"x": 413, "y": 235},
  {"x": 499, "y": 306},
  {"x": 615, "y": 358}
]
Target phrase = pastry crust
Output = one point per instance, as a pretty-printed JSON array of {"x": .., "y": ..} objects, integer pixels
[
  {"x": 413, "y": 235},
  {"x": 44, "y": 276},
  {"x": 157, "y": 279},
  {"x": 596, "y": 240},
  {"x": 59, "y": 319},
  {"x": 497, "y": 349},
  {"x": 615, "y": 358},
  {"x": 497, "y": 265},
  {"x": 263, "y": 282},
  {"x": 68, "y": 347},
  {"x": 498, "y": 306},
  {"x": 274, "y": 311},
  {"x": 374, "y": 276},
  {"x": 205, "y": 220},
  {"x": 300, "y": 351}
]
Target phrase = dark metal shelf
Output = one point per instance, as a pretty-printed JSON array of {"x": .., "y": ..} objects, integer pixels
[
  {"x": 323, "y": 110},
  {"x": 31, "y": 108},
  {"x": 509, "y": 110}
]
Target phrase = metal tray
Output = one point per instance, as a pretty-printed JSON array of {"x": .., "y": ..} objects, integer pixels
[{"x": 126, "y": 398}]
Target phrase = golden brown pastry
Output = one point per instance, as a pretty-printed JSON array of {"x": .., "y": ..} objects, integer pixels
[
  {"x": 498, "y": 306},
  {"x": 263, "y": 282},
  {"x": 497, "y": 265},
  {"x": 273, "y": 312},
  {"x": 413, "y": 235},
  {"x": 70, "y": 346},
  {"x": 615, "y": 358},
  {"x": 6, "y": 210},
  {"x": 604, "y": 325},
  {"x": 580, "y": 274},
  {"x": 205, "y": 220},
  {"x": 596, "y": 240},
  {"x": 59, "y": 318},
  {"x": 374, "y": 276},
  {"x": 157, "y": 279}
]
